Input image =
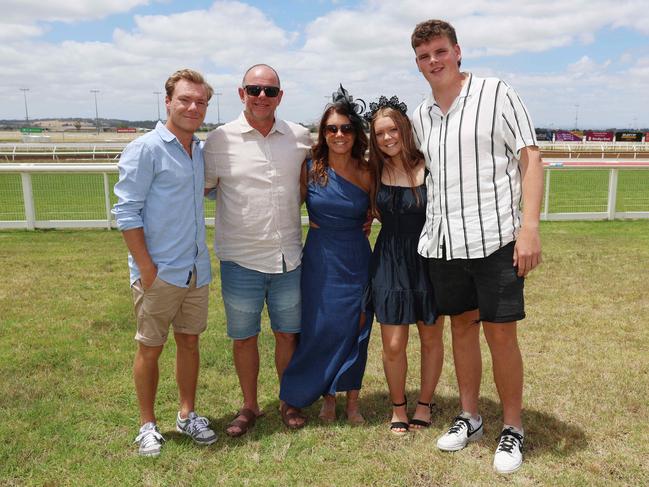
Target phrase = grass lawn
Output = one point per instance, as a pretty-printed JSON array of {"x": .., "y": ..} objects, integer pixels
[{"x": 70, "y": 414}]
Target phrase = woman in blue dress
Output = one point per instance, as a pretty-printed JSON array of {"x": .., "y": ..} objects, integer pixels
[
  {"x": 338, "y": 186},
  {"x": 401, "y": 293}
]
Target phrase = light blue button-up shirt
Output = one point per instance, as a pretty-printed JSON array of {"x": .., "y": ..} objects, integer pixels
[{"x": 160, "y": 189}]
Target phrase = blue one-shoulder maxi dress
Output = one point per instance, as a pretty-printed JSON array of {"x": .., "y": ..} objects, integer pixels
[{"x": 332, "y": 350}]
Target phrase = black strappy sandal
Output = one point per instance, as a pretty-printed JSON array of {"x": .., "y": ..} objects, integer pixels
[
  {"x": 395, "y": 426},
  {"x": 420, "y": 422}
]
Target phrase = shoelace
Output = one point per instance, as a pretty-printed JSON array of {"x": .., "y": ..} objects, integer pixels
[
  {"x": 197, "y": 425},
  {"x": 149, "y": 438},
  {"x": 509, "y": 439},
  {"x": 459, "y": 424}
]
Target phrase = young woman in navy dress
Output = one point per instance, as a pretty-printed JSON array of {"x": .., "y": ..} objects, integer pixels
[{"x": 401, "y": 293}]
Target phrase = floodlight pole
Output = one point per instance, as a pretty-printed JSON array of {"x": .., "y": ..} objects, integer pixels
[
  {"x": 576, "y": 116},
  {"x": 218, "y": 107},
  {"x": 25, "y": 90},
  {"x": 96, "y": 109},
  {"x": 158, "y": 93}
]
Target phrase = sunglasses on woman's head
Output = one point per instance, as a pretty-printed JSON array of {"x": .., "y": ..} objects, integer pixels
[
  {"x": 346, "y": 128},
  {"x": 255, "y": 90}
]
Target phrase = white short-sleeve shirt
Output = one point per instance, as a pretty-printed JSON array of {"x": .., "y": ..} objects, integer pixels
[
  {"x": 474, "y": 183},
  {"x": 257, "y": 222}
]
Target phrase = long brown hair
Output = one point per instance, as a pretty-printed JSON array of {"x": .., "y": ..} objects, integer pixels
[
  {"x": 410, "y": 155},
  {"x": 320, "y": 151}
]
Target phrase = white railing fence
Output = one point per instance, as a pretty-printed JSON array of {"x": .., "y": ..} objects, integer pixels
[{"x": 80, "y": 195}]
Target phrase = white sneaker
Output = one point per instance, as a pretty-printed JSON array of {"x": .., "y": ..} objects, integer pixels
[
  {"x": 197, "y": 428},
  {"x": 150, "y": 440},
  {"x": 460, "y": 434},
  {"x": 509, "y": 454}
]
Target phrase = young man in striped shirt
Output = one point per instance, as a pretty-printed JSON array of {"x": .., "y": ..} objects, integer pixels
[{"x": 482, "y": 154}]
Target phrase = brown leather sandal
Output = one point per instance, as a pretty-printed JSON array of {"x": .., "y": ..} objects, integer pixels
[
  {"x": 245, "y": 424},
  {"x": 288, "y": 418}
]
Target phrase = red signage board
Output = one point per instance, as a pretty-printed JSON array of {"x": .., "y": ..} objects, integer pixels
[
  {"x": 595, "y": 136},
  {"x": 126, "y": 130},
  {"x": 646, "y": 137}
]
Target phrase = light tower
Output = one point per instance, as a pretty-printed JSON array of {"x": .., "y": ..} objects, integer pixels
[
  {"x": 96, "y": 109},
  {"x": 25, "y": 90},
  {"x": 157, "y": 94}
]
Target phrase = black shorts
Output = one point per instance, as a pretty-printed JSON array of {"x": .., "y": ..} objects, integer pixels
[{"x": 489, "y": 284}]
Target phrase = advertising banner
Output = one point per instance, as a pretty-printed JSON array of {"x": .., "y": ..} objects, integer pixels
[
  {"x": 31, "y": 130},
  {"x": 646, "y": 137},
  {"x": 544, "y": 135},
  {"x": 595, "y": 136},
  {"x": 628, "y": 136},
  {"x": 568, "y": 136},
  {"x": 126, "y": 130}
]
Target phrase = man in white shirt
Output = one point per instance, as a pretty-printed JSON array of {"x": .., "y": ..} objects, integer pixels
[
  {"x": 254, "y": 162},
  {"x": 481, "y": 151}
]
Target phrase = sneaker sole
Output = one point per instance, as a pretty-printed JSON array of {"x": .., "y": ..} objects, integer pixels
[
  {"x": 507, "y": 471},
  {"x": 474, "y": 437},
  {"x": 198, "y": 442},
  {"x": 149, "y": 454}
]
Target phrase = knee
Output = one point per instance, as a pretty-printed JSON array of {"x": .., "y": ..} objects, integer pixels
[
  {"x": 431, "y": 344},
  {"x": 501, "y": 335},
  {"x": 393, "y": 351},
  {"x": 148, "y": 354},
  {"x": 244, "y": 343},
  {"x": 186, "y": 342},
  {"x": 286, "y": 338}
]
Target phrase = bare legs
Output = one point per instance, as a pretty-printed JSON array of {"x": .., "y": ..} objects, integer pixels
[
  {"x": 395, "y": 365},
  {"x": 146, "y": 375},
  {"x": 246, "y": 363},
  {"x": 328, "y": 410},
  {"x": 507, "y": 369},
  {"x": 465, "y": 330},
  {"x": 506, "y": 359}
]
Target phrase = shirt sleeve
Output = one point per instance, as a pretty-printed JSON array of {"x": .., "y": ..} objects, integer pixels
[
  {"x": 417, "y": 127},
  {"x": 136, "y": 172},
  {"x": 210, "y": 158},
  {"x": 306, "y": 139},
  {"x": 517, "y": 124}
]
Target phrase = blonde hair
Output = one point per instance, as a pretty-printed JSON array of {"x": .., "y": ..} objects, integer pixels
[{"x": 188, "y": 75}]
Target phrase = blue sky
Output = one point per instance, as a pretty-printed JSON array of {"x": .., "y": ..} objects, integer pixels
[{"x": 566, "y": 58}]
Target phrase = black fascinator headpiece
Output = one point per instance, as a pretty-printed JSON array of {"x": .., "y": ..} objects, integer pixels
[
  {"x": 356, "y": 106},
  {"x": 383, "y": 102}
]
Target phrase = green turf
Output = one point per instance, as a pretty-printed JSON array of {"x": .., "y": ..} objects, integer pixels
[{"x": 70, "y": 415}]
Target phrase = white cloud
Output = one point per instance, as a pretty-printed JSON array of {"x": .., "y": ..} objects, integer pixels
[
  {"x": 9, "y": 32},
  {"x": 367, "y": 48},
  {"x": 32, "y": 11}
]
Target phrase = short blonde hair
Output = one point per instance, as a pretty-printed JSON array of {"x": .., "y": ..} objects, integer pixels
[{"x": 188, "y": 75}]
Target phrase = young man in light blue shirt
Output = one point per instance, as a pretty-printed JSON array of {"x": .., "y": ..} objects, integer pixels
[{"x": 160, "y": 213}]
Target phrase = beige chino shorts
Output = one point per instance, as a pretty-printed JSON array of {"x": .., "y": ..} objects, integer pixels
[{"x": 164, "y": 304}]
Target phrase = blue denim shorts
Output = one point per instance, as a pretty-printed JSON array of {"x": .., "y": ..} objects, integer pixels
[{"x": 244, "y": 292}]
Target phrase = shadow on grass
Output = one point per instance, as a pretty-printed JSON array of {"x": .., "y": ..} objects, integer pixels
[{"x": 544, "y": 433}]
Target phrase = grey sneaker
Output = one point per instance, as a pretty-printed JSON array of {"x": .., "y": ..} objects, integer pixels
[
  {"x": 197, "y": 428},
  {"x": 460, "y": 434},
  {"x": 150, "y": 440}
]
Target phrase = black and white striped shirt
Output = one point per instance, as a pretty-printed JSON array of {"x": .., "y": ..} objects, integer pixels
[{"x": 474, "y": 182}]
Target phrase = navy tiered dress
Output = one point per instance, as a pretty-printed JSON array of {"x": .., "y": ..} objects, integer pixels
[{"x": 400, "y": 290}]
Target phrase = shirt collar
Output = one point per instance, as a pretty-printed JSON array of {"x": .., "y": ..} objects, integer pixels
[
  {"x": 166, "y": 135},
  {"x": 280, "y": 125},
  {"x": 464, "y": 92}
]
